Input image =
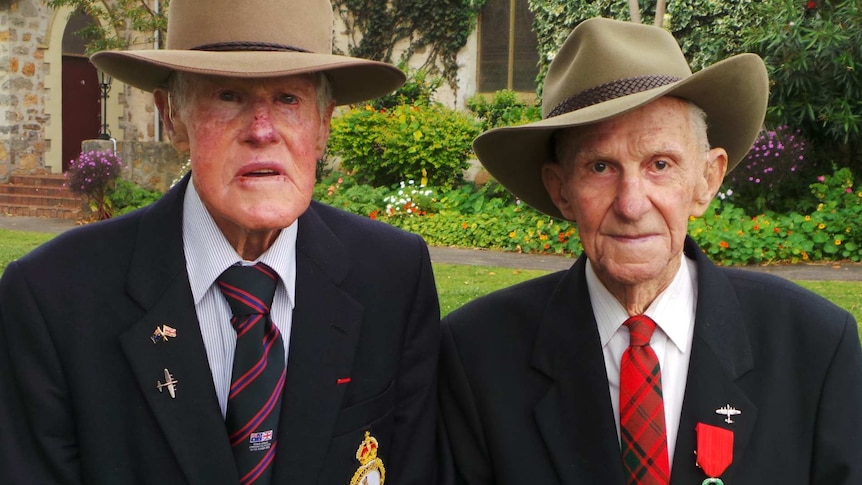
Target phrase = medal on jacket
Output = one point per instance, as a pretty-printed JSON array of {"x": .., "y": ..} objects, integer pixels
[
  {"x": 714, "y": 451},
  {"x": 371, "y": 470}
]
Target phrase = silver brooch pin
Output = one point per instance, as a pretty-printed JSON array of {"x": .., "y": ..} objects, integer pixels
[
  {"x": 727, "y": 411},
  {"x": 170, "y": 383}
]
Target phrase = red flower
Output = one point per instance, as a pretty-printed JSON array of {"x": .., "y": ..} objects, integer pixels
[
  {"x": 373, "y": 214},
  {"x": 724, "y": 244}
]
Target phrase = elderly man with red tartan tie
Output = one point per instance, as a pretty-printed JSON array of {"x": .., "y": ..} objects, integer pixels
[{"x": 644, "y": 363}]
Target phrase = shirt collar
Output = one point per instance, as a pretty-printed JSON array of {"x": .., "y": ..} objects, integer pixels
[
  {"x": 208, "y": 253},
  {"x": 673, "y": 309}
]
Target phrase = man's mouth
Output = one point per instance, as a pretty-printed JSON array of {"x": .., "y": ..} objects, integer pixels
[{"x": 261, "y": 173}]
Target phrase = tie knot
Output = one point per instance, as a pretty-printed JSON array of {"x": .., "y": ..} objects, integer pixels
[
  {"x": 641, "y": 328},
  {"x": 248, "y": 289}
]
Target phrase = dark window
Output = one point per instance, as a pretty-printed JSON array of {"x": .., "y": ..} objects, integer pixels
[{"x": 508, "y": 49}]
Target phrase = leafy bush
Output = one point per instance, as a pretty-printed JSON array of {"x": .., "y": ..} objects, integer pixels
[
  {"x": 418, "y": 90},
  {"x": 812, "y": 51},
  {"x": 504, "y": 109},
  {"x": 384, "y": 147},
  {"x": 489, "y": 217},
  {"x": 774, "y": 175},
  {"x": 126, "y": 196},
  {"x": 90, "y": 175}
]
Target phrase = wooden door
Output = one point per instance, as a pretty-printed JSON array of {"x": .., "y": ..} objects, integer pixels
[{"x": 82, "y": 107}]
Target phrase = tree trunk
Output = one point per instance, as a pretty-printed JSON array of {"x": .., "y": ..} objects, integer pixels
[
  {"x": 634, "y": 10},
  {"x": 660, "y": 8}
]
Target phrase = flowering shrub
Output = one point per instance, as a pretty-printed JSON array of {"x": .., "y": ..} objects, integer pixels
[
  {"x": 489, "y": 217},
  {"x": 771, "y": 176},
  {"x": 91, "y": 175},
  {"x": 410, "y": 200},
  {"x": 382, "y": 147}
]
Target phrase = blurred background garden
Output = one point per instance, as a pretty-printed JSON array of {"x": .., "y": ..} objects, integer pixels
[{"x": 406, "y": 159}]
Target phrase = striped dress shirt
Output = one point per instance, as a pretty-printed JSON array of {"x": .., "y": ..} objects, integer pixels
[{"x": 208, "y": 254}]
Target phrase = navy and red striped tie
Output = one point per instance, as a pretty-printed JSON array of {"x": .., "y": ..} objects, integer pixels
[
  {"x": 254, "y": 402},
  {"x": 642, "y": 422}
]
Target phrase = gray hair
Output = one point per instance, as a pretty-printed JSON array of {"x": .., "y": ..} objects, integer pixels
[
  {"x": 697, "y": 124},
  {"x": 179, "y": 88}
]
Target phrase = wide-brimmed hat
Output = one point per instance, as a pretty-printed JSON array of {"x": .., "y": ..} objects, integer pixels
[
  {"x": 606, "y": 68},
  {"x": 252, "y": 39}
]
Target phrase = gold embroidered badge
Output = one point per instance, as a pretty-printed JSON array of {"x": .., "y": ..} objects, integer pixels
[{"x": 371, "y": 470}]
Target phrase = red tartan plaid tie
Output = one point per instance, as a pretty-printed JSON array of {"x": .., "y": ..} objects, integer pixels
[
  {"x": 254, "y": 402},
  {"x": 642, "y": 433}
]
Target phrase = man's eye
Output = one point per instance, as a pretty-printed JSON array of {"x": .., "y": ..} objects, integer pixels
[
  {"x": 287, "y": 99},
  {"x": 228, "y": 96},
  {"x": 661, "y": 164},
  {"x": 600, "y": 167}
]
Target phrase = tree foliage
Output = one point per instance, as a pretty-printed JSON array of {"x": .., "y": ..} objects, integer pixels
[
  {"x": 814, "y": 56},
  {"x": 707, "y": 30},
  {"x": 440, "y": 28},
  {"x": 119, "y": 23}
]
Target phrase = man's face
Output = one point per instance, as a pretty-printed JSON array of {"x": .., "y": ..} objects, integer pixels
[
  {"x": 254, "y": 145},
  {"x": 631, "y": 184}
]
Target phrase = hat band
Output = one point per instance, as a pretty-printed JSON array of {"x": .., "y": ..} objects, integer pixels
[
  {"x": 611, "y": 90},
  {"x": 248, "y": 46}
]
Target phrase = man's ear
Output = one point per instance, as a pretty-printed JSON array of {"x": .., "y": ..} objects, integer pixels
[
  {"x": 174, "y": 126},
  {"x": 554, "y": 178},
  {"x": 708, "y": 185},
  {"x": 323, "y": 135}
]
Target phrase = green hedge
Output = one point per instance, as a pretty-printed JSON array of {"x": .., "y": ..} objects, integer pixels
[{"x": 488, "y": 217}]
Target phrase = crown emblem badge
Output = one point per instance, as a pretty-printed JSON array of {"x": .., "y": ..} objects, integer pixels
[{"x": 371, "y": 470}]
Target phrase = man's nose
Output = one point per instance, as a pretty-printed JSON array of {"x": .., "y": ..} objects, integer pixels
[
  {"x": 262, "y": 129},
  {"x": 632, "y": 199}
]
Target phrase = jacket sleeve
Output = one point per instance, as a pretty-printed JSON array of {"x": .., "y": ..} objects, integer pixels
[
  {"x": 837, "y": 450},
  {"x": 463, "y": 457},
  {"x": 38, "y": 441},
  {"x": 413, "y": 450}
]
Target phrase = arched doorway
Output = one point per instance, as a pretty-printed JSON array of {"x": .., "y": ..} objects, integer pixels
[{"x": 81, "y": 98}]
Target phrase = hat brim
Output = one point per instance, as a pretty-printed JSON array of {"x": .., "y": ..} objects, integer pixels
[
  {"x": 353, "y": 79},
  {"x": 733, "y": 93}
]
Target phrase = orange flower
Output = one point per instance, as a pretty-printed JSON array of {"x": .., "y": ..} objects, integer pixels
[
  {"x": 464, "y": 225},
  {"x": 724, "y": 244},
  {"x": 373, "y": 214}
]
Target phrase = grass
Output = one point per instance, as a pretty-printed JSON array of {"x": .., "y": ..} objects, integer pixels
[
  {"x": 14, "y": 244},
  {"x": 458, "y": 284}
]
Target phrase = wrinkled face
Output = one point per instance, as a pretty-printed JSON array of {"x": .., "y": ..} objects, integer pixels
[
  {"x": 631, "y": 184},
  {"x": 254, "y": 144}
]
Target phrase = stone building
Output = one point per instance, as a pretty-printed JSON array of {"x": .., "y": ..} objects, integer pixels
[{"x": 53, "y": 99}]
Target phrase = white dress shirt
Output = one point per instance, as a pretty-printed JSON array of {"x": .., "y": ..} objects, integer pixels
[
  {"x": 208, "y": 254},
  {"x": 673, "y": 311}
]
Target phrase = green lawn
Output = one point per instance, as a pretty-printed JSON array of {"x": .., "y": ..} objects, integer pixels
[{"x": 459, "y": 284}]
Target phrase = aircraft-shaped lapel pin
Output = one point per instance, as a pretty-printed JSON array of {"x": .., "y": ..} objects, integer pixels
[
  {"x": 727, "y": 411},
  {"x": 170, "y": 383}
]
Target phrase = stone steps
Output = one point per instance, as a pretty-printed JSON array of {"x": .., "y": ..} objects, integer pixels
[{"x": 40, "y": 196}]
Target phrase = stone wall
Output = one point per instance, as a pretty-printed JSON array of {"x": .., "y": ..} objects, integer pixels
[
  {"x": 152, "y": 165},
  {"x": 22, "y": 87}
]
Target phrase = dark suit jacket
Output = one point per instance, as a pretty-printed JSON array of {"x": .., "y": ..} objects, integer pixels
[
  {"x": 524, "y": 391},
  {"x": 78, "y": 369}
]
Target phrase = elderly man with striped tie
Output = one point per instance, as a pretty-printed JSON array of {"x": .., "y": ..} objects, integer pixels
[
  {"x": 644, "y": 363},
  {"x": 234, "y": 332}
]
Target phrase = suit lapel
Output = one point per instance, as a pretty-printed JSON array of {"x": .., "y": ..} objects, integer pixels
[
  {"x": 720, "y": 355},
  {"x": 580, "y": 435},
  {"x": 324, "y": 335},
  {"x": 191, "y": 421}
]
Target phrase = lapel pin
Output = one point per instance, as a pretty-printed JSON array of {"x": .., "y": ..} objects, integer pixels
[
  {"x": 371, "y": 470},
  {"x": 170, "y": 383},
  {"x": 727, "y": 411},
  {"x": 342, "y": 380},
  {"x": 163, "y": 333}
]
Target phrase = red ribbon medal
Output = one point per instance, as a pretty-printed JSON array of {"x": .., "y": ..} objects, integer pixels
[{"x": 714, "y": 451}]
